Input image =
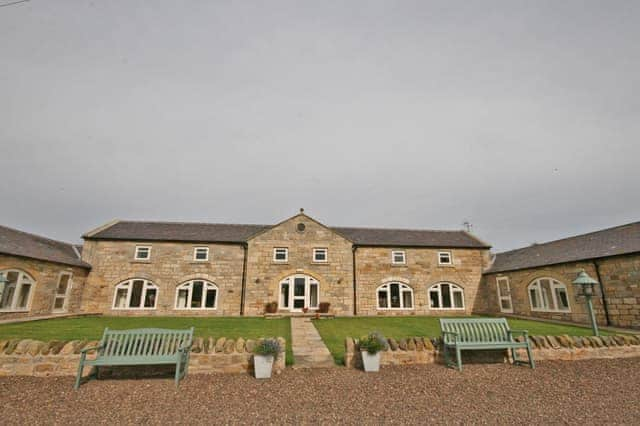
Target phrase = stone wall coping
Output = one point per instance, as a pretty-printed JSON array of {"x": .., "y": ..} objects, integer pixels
[{"x": 201, "y": 345}]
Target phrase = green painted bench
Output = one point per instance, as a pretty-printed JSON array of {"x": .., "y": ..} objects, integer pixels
[
  {"x": 462, "y": 334},
  {"x": 141, "y": 346}
]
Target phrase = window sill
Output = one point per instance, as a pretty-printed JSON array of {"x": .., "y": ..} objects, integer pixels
[
  {"x": 275, "y": 262},
  {"x": 140, "y": 261},
  {"x": 321, "y": 263},
  {"x": 399, "y": 265},
  {"x": 133, "y": 309},
  {"x": 445, "y": 266},
  {"x": 199, "y": 262}
]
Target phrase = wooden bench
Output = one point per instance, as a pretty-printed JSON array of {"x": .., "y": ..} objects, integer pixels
[
  {"x": 481, "y": 334},
  {"x": 142, "y": 346}
]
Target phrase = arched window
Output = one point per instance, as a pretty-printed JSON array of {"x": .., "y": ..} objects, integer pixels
[
  {"x": 197, "y": 294},
  {"x": 136, "y": 293},
  {"x": 548, "y": 295},
  {"x": 16, "y": 294},
  {"x": 395, "y": 296},
  {"x": 446, "y": 296}
]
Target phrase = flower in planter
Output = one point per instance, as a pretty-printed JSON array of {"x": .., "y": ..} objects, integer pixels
[
  {"x": 268, "y": 347},
  {"x": 373, "y": 343}
]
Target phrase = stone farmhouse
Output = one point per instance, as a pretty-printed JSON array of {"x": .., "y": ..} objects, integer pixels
[{"x": 203, "y": 269}]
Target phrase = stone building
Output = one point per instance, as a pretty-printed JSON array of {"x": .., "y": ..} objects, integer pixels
[
  {"x": 43, "y": 276},
  {"x": 536, "y": 281},
  {"x": 160, "y": 268}
]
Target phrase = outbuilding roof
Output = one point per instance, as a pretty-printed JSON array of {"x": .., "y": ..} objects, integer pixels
[
  {"x": 19, "y": 243},
  {"x": 236, "y": 233},
  {"x": 623, "y": 239}
]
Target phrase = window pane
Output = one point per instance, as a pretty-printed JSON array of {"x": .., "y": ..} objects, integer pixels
[
  {"x": 395, "y": 295},
  {"x": 503, "y": 286},
  {"x": 434, "y": 299},
  {"x": 210, "y": 301},
  {"x": 150, "y": 298},
  {"x": 533, "y": 294},
  {"x": 457, "y": 299},
  {"x": 506, "y": 304},
  {"x": 545, "y": 292},
  {"x": 406, "y": 299},
  {"x": 298, "y": 286},
  {"x": 63, "y": 284},
  {"x": 313, "y": 296},
  {"x": 136, "y": 294},
  {"x": 121, "y": 298},
  {"x": 446, "y": 295},
  {"x": 196, "y": 295},
  {"x": 298, "y": 303},
  {"x": 23, "y": 298},
  {"x": 284, "y": 291},
  {"x": 320, "y": 255},
  {"x": 561, "y": 297},
  {"x": 201, "y": 254},
  {"x": 383, "y": 299},
  {"x": 445, "y": 258},
  {"x": 58, "y": 303},
  {"x": 142, "y": 252},
  {"x": 182, "y": 298}
]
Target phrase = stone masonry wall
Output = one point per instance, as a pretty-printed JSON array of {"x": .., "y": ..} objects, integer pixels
[
  {"x": 520, "y": 280},
  {"x": 424, "y": 350},
  {"x": 61, "y": 358},
  {"x": 264, "y": 275},
  {"x": 620, "y": 277},
  {"x": 46, "y": 276},
  {"x": 171, "y": 264},
  {"x": 421, "y": 271}
]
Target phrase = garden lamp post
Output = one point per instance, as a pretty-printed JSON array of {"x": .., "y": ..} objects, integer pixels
[{"x": 584, "y": 284}]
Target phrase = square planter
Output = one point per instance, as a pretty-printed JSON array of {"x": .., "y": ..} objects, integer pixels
[
  {"x": 371, "y": 362},
  {"x": 262, "y": 365}
]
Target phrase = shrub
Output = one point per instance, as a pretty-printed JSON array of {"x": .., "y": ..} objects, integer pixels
[
  {"x": 271, "y": 307},
  {"x": 268, "y": 347},
  {"x": 373, "y": 343},
  {"x": 323, "y": 308}
]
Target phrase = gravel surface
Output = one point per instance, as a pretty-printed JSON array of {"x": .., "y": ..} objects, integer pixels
[{"x": 586, "y": 392}]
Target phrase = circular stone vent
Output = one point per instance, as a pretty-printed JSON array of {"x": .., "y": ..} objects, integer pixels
[{"x": 301, "y": 227}]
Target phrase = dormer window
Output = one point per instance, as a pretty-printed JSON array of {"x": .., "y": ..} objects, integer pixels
[
  {"x": 280, "y": 254},
  {"x": 398, "y": 257},
  {"x": 444, "y": 258},
  {"x": 201, "y": 254},
  {"x": 142, "y": 253}
]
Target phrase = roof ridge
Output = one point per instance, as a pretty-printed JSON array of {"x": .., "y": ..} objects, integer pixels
[
  {"x": 164, "y": 222},
  {"x": 396, "y": 229},
  {"x": 568, "y": 238},
  {"x": 71, "y": 245}
]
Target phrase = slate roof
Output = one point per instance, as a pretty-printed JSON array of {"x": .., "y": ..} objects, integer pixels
[
  {"x": 231, "y": 233},
  {"x": 619, "y": 240},
  {"x": 18, "y": 243}
]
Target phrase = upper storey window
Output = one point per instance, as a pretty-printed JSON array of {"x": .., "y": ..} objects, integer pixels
[
  {"x": 280, "y": 254},
  {"x": 444, "y": 258},
  {"x": 320, "y": 255},
  {"x": 398, "y": 257},
  {"x": 201, "y": 254},
  {"x": 142, "y": 253}
]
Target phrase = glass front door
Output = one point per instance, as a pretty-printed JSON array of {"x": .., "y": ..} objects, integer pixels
[{"x": 298, "y": 292}]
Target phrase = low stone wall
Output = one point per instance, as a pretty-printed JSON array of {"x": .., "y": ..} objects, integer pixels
[
  {"x": 61, "y": 358},
  {"x": 425, "y": 350}
]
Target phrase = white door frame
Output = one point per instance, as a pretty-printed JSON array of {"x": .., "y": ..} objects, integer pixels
[
  {"x": 309, "y": 281},
  {"x": 507, "y": 296}
]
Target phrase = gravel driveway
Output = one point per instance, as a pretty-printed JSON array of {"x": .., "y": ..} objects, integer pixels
[{"x": 586, "y": 392}]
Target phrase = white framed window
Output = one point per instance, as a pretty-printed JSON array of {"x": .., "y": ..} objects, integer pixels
[
  {"x": 17, "y": 292},
  {"x": 197, "y": 294},
  {"x": 394, "y": 296},
  {"x": 280, "y": 254},
  {"x": 548, "y": 295},
  {"x": 142, "y": 253},
  {"x": 398, "y": 257},
  {"x": 446, "y": 296},
  {"x": 60, "y": 298},
  {"x": 201, "y": 254},
  {"x": 136, "y": 293},
  {"x": 445, "y": 258},
  {"x": 320, "y": 255},
  {"x": 504, "y": 294}
]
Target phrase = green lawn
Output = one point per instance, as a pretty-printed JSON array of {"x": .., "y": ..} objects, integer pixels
[
  {"x": 91, "y": 328},
  {"x": 334, "y": 331}
]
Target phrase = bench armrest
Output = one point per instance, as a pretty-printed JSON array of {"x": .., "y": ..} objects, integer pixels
[
  {"x": 92, "y": 348},
  {"x": 185, "y": 346},
  {"x": 452, "y": 333},
  {"x": 524, "y": 333}
]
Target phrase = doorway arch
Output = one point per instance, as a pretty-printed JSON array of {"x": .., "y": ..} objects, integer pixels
[{"x": 297, "y": 292}]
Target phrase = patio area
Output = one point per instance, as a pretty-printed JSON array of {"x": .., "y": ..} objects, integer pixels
[{"x": 581, "y": 392}]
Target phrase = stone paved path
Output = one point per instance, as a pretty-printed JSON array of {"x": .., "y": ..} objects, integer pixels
[{"x": 309, "y": 351}]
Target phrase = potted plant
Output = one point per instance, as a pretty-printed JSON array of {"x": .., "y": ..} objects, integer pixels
[
  {"x": 323, "y": 308},
  {"x": 370, "y": 347},
  {"x": 271, "y": 307},
  {"x": 264, "y": 354}
]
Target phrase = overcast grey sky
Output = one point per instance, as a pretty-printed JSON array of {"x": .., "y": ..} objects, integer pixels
[{"x": 521, "y": 117}]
